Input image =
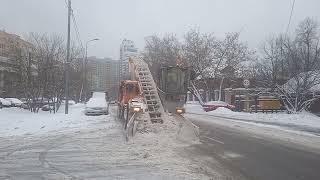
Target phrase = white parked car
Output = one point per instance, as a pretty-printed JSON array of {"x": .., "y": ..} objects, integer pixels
[
  {"x": 5, "y": 103},
  {"x": 15, "y": 102},
  {"x": 70, "y": 102},
  {"x": 97, "y": 105}
]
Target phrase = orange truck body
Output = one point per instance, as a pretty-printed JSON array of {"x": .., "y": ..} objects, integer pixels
[{"x": 128, "y": 90}]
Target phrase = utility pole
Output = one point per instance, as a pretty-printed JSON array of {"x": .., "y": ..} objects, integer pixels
[
  {"x": 85, "y": 75},
  {"x": 66, "y": 64}
]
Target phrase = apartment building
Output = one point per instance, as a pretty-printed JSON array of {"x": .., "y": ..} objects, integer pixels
[
  {"x": 127, "y": 49},
  {"x": 103, "y": 75},
  {"x": 11, "y": 46}
]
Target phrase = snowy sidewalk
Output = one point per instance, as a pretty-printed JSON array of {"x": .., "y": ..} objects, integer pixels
[
  {"x": 300, "y": 122},
  {"x": 16, "y": 121}
]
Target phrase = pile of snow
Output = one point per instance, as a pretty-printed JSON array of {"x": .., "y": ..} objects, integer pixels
[
  {"x": 173, "y": 127},
  {"x": 16, "y": 121},
  {"x": 222, "y": 110},
  {"x": 304, "y": 119}
]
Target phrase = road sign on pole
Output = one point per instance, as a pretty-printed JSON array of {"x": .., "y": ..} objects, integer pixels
[{"x": 246, "y": 83}]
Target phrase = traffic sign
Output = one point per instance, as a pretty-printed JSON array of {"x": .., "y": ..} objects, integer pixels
[{"x": 246, "y": 83}]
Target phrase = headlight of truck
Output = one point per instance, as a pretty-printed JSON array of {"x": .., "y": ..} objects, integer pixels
[
  {"x": 179, "y": 111},
  {"x": 136, "y": 109}
]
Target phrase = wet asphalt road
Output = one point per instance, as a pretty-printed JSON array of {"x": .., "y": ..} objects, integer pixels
[{"x": 251, "y": 157}]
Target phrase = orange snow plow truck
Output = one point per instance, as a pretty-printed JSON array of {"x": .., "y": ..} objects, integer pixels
[
  {"x": 130, "y": 100},
  {"x": 142, "y": 100}
]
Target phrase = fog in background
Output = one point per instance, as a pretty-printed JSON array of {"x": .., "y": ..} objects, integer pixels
[{"x": 113, "y": 20}]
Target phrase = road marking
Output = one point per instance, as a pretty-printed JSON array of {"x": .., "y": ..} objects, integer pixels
[{"x": 213, "y": 139}]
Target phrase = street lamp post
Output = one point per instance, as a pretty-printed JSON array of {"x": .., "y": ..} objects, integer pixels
[{"x": 85, "y": 70}]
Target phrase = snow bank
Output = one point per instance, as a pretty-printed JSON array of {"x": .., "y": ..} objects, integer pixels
[
  {"x": 16, "y": 121},
  {"x": 217, "y": 103},
  {"x": 304, "y": 119},
  {"x": 222, "y": 110}
]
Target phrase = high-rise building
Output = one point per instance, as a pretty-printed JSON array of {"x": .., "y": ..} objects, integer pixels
[
  {"x": 127, "y": 49},
  {"x": 103, "y": 75},
  {"x": 112, "y": 78}
]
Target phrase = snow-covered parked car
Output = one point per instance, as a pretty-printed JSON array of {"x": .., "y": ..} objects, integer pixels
[
  {"x": 5, "y": 103},
  {"x": 213, "y": 105},
  {"x": 70, "y": 102},
  {"x": 97, "y": 105},
  {"x": 15, "y": 102}
]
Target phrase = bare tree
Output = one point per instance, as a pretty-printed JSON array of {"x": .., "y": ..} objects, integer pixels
[
  {"x": 42, "y": 72},
  {"x": 228, "y": 58},
  {"x": 230, "y": 52},
  {"x": 209, "y": 57},
  {"x": 161, "y": 52},
  {"x": 273, "y": 68},
  {"x": 297, "y": 60},
  {"x": 198, "y": 50}
]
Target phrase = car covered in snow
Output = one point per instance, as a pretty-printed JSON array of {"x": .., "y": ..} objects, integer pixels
[
  {"x": 97, "y": 105},
  {"x": 5, "y": 103},
  {"x": 70, "y": 102},
  {"x": 15, "y": 102},
  {"x": 213, "y": 105}
]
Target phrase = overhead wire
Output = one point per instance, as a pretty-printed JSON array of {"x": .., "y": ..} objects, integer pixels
[
  {"x": 291, "y": 12},
  {"x": 75, "y": 26}
]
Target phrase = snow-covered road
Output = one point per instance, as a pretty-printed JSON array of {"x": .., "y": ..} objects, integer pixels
[
  {"x": 92, "y": 147},
  {"x": 303, "y": 122}
]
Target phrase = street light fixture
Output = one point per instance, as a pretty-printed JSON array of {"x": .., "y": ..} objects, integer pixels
[{"x": 85, "y": 70}]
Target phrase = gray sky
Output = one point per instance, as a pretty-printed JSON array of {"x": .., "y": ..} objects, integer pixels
[{"x": 113, "y": 20}]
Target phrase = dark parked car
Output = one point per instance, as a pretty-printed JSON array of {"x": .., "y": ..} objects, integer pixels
[{"x": 47, "y": 107}]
